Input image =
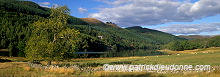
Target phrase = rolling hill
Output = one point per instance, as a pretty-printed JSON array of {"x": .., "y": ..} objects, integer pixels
[
  {"x": 16, "y": 18},
  {"x": 93, "y": 21}
]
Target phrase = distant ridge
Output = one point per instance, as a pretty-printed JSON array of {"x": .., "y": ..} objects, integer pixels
[
  {"x": 195, "y": 36},
  {"x": 93, "y": 21},
  {"x": 113, "y": 25},
  {"x": 158, "y": 36}
]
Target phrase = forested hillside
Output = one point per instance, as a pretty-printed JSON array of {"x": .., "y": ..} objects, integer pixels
[
  {"x": 200, "y": 43},
  {"x": 191, "y": 37},
  {"x": 16, "y": 25},
  {"x": 158, "y": 36}
]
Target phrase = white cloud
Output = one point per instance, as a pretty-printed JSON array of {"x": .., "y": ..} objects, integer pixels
[
  {"x": 48, "y": 4},
  {"x": 152, "y": 12},
  {"x": 45, "y": 4},
  {"x": 82, "y": 10},
  {"x": 191, "y": 29}
]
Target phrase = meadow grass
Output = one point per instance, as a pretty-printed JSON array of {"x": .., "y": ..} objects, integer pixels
[
  {"x": 147, "y": 74},
  {"x": 188, "y": 57},
  {"x": 21, "y": 69},
  {"x": 15, "y": 69},
  {"x": 212, "y": 58}
]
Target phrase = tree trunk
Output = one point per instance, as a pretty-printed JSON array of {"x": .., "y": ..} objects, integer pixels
[{"x": 54, "y": 37}]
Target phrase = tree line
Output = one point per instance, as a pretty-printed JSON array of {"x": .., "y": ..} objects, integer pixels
[{"x": 194, "y": 44}]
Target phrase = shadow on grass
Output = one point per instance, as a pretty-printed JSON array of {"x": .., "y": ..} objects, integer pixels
[{"x": 4, "y": 60}]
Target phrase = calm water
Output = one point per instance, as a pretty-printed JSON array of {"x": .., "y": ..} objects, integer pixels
[{"x": 121, "y": 53}]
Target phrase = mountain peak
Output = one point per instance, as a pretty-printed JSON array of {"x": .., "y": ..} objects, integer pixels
[{"x": 93, "y": 21}]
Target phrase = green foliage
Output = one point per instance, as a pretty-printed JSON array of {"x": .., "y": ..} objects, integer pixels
[
  {"x": 119, "y": 38},
  {"x": 194, "y": 44},
  {"x": 26, "y": 7},
  {"x": 76, "y": 21},
  {"x": 158, "y": 36},
  {"x": 214, "y": 42},
  {"x": 176, "y": 46},
  {"x": 51, "y": 38},
  {"x": 15, "y": 29},
  {"x": 182, "y": 45},
  {"x": 16, "y": 23}
]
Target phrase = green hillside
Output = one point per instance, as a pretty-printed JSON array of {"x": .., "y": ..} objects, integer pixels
[
  {"x": 158, "y": 36},
  {"x": 16, "y": 25},
  {"x": 120, "y": 38},
  {"x": 25, "y": 7}
]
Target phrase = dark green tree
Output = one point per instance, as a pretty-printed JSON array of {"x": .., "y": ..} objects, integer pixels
[{"x": 214, "y": 42}]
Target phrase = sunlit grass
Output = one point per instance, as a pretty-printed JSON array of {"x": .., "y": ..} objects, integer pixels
[
  {"x": 193, "y": 59},
  {"x": 207, "y": 50},
  {"x": 21, "y": 69},
  {"x": 147, "y": 74},
  {"x": 15, "y": 69},
  {"x": 125, "y": 74}
]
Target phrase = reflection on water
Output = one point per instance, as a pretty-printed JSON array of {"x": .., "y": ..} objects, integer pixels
[
  {"x": 90, "y": 52},
  {"x": 121, "y": 53}
]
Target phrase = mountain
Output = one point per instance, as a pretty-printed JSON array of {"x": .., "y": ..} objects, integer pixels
[
  {"x": 17, "y": 17},
  {"x": 93, "y": 21},
  {"x": 156, "y": 35}
]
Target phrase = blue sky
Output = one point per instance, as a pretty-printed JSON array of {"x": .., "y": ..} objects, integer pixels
[
  {"x": 178, "y": 17},
  {"x": 74, "y": 5}
]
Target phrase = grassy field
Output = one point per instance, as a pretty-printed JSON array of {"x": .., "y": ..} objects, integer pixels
[{"x": 209, "y": 56}]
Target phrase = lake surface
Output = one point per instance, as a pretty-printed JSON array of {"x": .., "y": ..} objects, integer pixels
[{"x": 121, "y": 53}]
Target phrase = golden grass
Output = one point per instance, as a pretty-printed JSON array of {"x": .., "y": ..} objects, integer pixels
[
  {"x": 147, "y": 74},
  {"x": 113, "y": 25},
  {"x": 209, "y": 50},
  {"x": 93, "y": 21},
  {"x": 21, "y": 69},
  {"x": 60, "y": 70},
  {"x": 124, "y": 74},
  {"x": 27, "y": 68},
  {"x": 16, "y": 69},
  {"x": 53, "y": 62},
  {"x": 5, "y": 65}
]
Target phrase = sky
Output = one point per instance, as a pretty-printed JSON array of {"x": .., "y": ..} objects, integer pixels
[{"x": 178, "y": 17}]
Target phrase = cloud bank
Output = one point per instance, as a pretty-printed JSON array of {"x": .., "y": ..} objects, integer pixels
[
  {"x": 191, "y": 29},
  {"x": 153, "y": 12}
]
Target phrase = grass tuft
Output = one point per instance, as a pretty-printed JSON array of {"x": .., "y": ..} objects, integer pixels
[{"x": 27, "y": 68}]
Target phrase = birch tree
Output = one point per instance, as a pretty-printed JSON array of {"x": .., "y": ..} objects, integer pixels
[{"x": 52, "y": 39}]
